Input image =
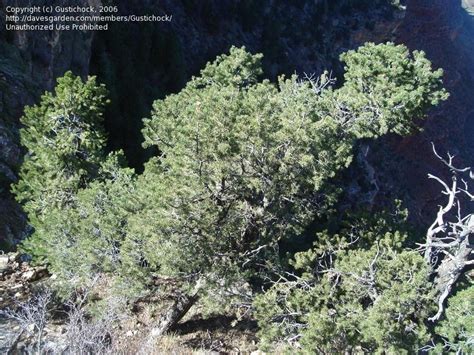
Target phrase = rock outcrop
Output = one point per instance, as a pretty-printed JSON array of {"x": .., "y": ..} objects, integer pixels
[
  {"x": 19, "y": 281},
  {"x": 445, "y": 31}
]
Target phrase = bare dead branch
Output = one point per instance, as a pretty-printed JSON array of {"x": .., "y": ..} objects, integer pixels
[{"x": 447, "y": 248}]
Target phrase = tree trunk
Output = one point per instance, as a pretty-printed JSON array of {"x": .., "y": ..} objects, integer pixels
[
  {"x": 181, "y": 305},
  {"x": 175, "y": 313},
  {"x": 448, "y": 273}
]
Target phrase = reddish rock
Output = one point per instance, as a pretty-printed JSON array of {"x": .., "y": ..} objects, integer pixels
[{"x": 445, "y": 31}]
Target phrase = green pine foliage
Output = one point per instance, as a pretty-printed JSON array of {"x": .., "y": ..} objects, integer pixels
[
  {"x": 359, "y": 291},
  {"x": 85, "y": 236},
  {"x": 387, "y": 88},
  {"x": 457, "y": 329},
  {"x": 244, "y": 164},
  {"x": 243, "y": 161},
  {"x": 65, "y": 143}
]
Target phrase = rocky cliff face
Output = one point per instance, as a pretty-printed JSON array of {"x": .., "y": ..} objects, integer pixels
[
  {"x": 142, "y": 62},
  {"x": 48, "y": 54},
  {"x": 445, "y": 31}
]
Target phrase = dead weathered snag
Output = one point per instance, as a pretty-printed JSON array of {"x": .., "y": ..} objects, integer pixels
[{"x": 449, "y": 246}]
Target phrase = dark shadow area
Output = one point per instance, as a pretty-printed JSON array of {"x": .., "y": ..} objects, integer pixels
[{"x": 213, "y": 323}]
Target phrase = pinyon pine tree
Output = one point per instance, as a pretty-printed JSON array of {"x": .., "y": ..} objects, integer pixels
[
  {"x": 64, "y": 143},
  {"x": 245, "y": 163}
]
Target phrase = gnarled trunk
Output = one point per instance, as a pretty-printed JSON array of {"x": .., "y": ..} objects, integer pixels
[
  {"x": 181, "y": 305},
  {"x": 175, "y": 313},
  {"x": 449, "y": 247},
  {"x": 448, "y": 273}
]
